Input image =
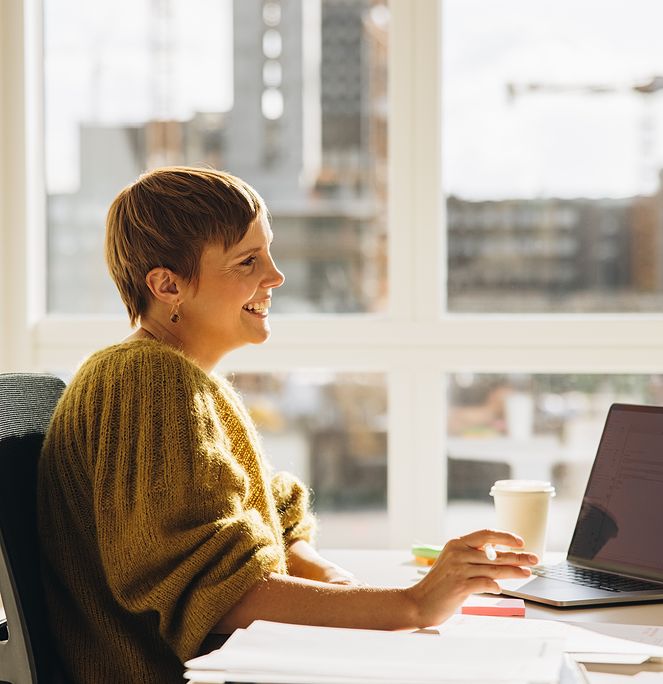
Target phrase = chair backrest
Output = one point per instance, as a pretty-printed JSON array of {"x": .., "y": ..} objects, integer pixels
[{"x": 27, "y": 401}]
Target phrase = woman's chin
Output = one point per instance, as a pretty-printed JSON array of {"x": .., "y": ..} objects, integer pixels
[
  {"x": 267, "y": 333},
  {"x": 260, "y": 335}
]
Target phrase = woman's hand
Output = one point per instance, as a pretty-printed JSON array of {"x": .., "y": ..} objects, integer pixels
[
  {"x": 462, "y": 568},
  {"x": 304, "y": 561},
  {"x": 335, "y": 574}
]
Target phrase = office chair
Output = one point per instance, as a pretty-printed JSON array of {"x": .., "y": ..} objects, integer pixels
[{"x": 27, "y": 655}]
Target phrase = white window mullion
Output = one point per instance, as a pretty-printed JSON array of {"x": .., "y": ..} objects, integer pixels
[
  {"x": 430, "y": 463},
  {"x": 417, "y": 469},
  {"x": 416, "y": 461},
  {"x": 588, "y": 344},
  {"x": 430, "y": 272},
  {"x": 16, "y": 344},
  {"x": 401, "y": 460},
  {"x": 426, "y": 228},
  {"x": 401, "y": 480},
  {"x": 5, "y": 61},
  {"x": 401, "y": 174},
  {"x": 35, "y": 191}
]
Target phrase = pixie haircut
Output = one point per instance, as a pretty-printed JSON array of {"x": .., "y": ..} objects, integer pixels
[{"x": 166, "y": 218}]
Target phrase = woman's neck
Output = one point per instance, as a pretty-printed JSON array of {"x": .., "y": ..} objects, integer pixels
[{"x": 152, "y": 328}]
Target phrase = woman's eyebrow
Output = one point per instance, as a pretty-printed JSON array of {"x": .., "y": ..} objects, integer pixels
[{"x": 250, "y": 250}]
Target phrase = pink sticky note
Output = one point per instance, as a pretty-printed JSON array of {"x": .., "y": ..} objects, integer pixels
[{"x": 482, "y": 605}]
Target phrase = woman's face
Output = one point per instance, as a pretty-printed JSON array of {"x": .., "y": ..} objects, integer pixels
[{"x": 230, "y": 306}]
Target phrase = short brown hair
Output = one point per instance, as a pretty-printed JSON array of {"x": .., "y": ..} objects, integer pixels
[{"x": 166, "y": 218}]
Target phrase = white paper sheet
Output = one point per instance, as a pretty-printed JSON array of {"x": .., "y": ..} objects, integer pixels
[
  {"x": 219, "y": 677},
  {"x": 579, "y": 637},
  {"x": 324, "y": 654},
  {"x": 644, "y": 634}
]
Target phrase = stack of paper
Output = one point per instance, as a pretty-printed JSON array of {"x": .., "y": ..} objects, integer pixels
[
  {"x": 587, "y": 642},
  {"x": 288, "y": 654}
]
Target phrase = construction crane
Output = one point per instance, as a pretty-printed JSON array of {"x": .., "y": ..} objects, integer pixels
[
  {"x": 644, "y": 89},
  {"x": 648, "y": 88}
]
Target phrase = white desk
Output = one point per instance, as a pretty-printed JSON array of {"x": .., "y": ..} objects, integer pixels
[{"x": 395, "y": 568}]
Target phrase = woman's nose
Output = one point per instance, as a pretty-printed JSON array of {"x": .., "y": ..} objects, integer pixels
[{"x": 274, "y": 278}]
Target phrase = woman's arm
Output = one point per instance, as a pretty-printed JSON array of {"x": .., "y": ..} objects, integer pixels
[
  {"x": 461, "y": 569},
  {"x": 283, "y": 598}
]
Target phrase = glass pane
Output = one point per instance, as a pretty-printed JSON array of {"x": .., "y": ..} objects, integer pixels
[
  {"x": 329, "y": 429},
  {"x": 290, "y": 96},
  {"x": 543, "y": 427},
  {"x": 552, "y": 155}
]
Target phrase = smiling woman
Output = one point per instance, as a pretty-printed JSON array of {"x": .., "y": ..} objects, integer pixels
[{"x": 161, "y": 521}]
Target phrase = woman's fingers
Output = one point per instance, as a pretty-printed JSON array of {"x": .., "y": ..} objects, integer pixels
[
  {"x": 502, "y": 557},
  {"x": 512, "y": 558},
  {"x": 482, "y": 537},
  {"x": 500, "y": 571},
  {"x": 471, "y": 554},
  {"x": 483, "y": 585}
]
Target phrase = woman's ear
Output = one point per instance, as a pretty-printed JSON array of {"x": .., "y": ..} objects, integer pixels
[{"x": 164, "y": 285}]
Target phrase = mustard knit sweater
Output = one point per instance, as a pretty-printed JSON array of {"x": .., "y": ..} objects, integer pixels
[{"x": 157, "y": 512}]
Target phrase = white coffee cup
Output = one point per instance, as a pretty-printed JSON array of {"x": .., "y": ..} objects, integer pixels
[{"x": 522, "y": 507}]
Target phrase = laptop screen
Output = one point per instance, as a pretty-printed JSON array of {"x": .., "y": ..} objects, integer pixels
[{"x": 621, "y": 517}]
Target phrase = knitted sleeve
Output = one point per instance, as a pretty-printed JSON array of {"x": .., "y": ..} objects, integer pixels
[
  {"x": 176, "y": 535},
  {"x": 292, "y": 503}
]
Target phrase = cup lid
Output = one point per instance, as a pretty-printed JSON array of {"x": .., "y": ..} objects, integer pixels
[{"x": 515, "y": 486}]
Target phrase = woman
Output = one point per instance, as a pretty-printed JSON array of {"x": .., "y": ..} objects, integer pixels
[{"x": 160, "y": 520}]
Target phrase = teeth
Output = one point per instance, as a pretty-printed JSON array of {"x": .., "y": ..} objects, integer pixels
[{"x": 258, "y": 307}]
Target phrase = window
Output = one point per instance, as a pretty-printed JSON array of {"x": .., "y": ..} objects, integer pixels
[
  {"x": 414, "y": 284},
  {"x": 552, "y": 157}
]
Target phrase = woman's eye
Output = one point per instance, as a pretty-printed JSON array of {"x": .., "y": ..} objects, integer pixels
[{"x": 249, "y": 262}]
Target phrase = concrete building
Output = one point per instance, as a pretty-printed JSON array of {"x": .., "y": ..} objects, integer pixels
[{"x": 555, "y": 255}]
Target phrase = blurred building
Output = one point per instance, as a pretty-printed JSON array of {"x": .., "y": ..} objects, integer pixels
[
  {"x": 566, "y": 255},
  {"x": 307, "y": 128},
  {"x": 646, "y": 221}
]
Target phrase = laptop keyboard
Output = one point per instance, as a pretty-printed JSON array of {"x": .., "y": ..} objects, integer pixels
[{"x": 593, "y": 578}]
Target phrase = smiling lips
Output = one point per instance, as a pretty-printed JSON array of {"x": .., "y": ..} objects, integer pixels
[{"x": 257, "y": 308}]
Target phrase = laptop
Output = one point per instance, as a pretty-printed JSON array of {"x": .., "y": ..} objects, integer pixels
[{"x": 616, "y": 553}]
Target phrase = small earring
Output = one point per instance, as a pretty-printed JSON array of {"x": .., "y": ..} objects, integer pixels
[{"x": 175, "y": 313}]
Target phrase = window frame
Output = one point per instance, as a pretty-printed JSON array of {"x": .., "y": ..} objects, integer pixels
[{"x": 415, "y": 343}]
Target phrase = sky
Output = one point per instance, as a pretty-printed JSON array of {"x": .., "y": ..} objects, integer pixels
[
  {"x": 568, "y": 144},
  {"x": 100, "y": 67},
  {"x": 100, "y": 61}
]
